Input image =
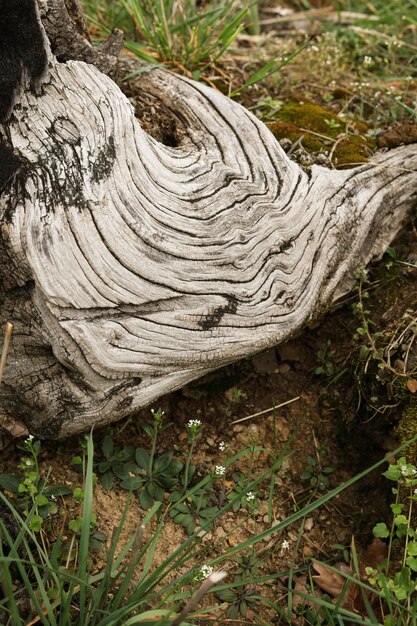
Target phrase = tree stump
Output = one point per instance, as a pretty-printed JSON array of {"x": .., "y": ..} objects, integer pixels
[{"x": 130, "y": 265}]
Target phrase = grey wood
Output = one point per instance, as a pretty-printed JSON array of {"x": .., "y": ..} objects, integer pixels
[{"x": 130, "y": 267}]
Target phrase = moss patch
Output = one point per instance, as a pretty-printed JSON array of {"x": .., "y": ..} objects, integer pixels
[
  {"x": 407, "y": 429},
  {"x": 322, "y": 131}
]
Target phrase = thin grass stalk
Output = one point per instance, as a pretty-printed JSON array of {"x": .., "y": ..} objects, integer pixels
[
  {"x": 82, "y": 570},
  {"x": 5, "y": 349},
  {"x": 213, "y": 579},
  {"x": 134, "y": 559},
  {"x": 100, "y": 594},
  {"x": 7, "y": 586},
  {"x": 22, "y": 572}
]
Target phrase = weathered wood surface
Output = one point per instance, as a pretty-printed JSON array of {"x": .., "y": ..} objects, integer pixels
[{"x": 130, "y": 267}]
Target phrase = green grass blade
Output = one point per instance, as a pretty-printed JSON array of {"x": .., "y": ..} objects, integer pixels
[{"x": 83, "y": 552}]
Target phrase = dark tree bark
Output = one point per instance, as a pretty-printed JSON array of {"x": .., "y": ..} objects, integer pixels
[{"x": 130, "y": 265}]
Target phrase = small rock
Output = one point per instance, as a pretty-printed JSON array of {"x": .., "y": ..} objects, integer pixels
[
  {"x": 308, "y": 524},
  {"x": 205, "y": 536},
  {"x": 220, "y": 533},
  {"x": 283, "y": 429},
  {"x": 285, "y": 143},
  {"x": 307, "y": 551},
  {"x": 284, "y": 368}
]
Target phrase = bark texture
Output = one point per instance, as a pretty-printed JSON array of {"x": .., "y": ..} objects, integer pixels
[{"x": 130, "y": 266}]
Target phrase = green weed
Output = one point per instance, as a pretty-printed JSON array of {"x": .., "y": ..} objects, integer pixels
[
  {"x": 140, "y": 470},
  {"x": 30, "y": 489},
  {"x": 384, "y": 593}
]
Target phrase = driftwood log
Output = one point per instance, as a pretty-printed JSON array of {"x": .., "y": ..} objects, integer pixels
[{"x": 129, "y": 265}]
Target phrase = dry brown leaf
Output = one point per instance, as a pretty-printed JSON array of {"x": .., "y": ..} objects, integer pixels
[
  {"x": 412, "y": 385},
  {"x": 13, "y": 426},
  {"x": 375, "y": 553},
  {"x": 328, "y": 580}
]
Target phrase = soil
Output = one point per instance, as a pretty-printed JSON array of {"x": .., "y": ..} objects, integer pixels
[{"x": 321, "y": 395}]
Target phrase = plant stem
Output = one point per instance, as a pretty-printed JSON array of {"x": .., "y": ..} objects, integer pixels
[
  {"x": 392, "y": 530},
  {"x": 151, "y": 457},
  {"x": 410, "y": 510},
  {"x": 187, "y": 463}
]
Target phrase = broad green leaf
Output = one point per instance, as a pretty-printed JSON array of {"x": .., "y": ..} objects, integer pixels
[
  {"x": 412, "y": 563},
  {"x": 10, "y": 482},
  {"x": 35, "y": 523},
  {"x": 107, "y": 446},
  {"x": 167, "y": 482},
  {"x": 42, "y": 500},
  {"x": 107, "y": 481},
  {"x": 381, "y": 530},
  {"x": 162, "y": 462},
  {"x": 145, "y": 500},
  {"x": 142, "y": 458},
  {"x": 392, "y": 473},
  {"x": 131, "y": 483},
  {"x": 226, "y": 595},
  {"x": 155, "y": 491},
  {"x": 397, "y": 508}
]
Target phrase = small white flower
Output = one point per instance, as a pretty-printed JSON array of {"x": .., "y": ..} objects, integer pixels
[
  {"x": 52, "y": 497},
  {"x": 29, "y": 438},
  {"x": 204, "y": 572},
  {"x": 285, "y": 545},
  {"x": 367, "y": 61},
  {"x": 403, "y": 469},
  {"x": 193, "y": 424},
  {"x": 414, "y": 471},
  {"x": 219, "y": 471},
  {"x": 250, "y": 496},
  {"x": 222, "y": 446},
  {"x": 415, "y": 492}
]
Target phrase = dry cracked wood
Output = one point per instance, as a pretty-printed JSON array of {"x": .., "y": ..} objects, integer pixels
[{"x": 130, "y": 267}]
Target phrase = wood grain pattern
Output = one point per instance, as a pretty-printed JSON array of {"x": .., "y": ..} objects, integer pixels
[{"x": 130, "y": 267}]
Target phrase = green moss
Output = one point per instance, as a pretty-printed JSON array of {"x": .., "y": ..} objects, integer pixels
[
  {"x": 407, "y": 429},
  {"x": 352, "y": 150},
  {"x": 312, "y": 117},
  {"x": 320, "y": 129},
  {"x": 311, "y": 143}
]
